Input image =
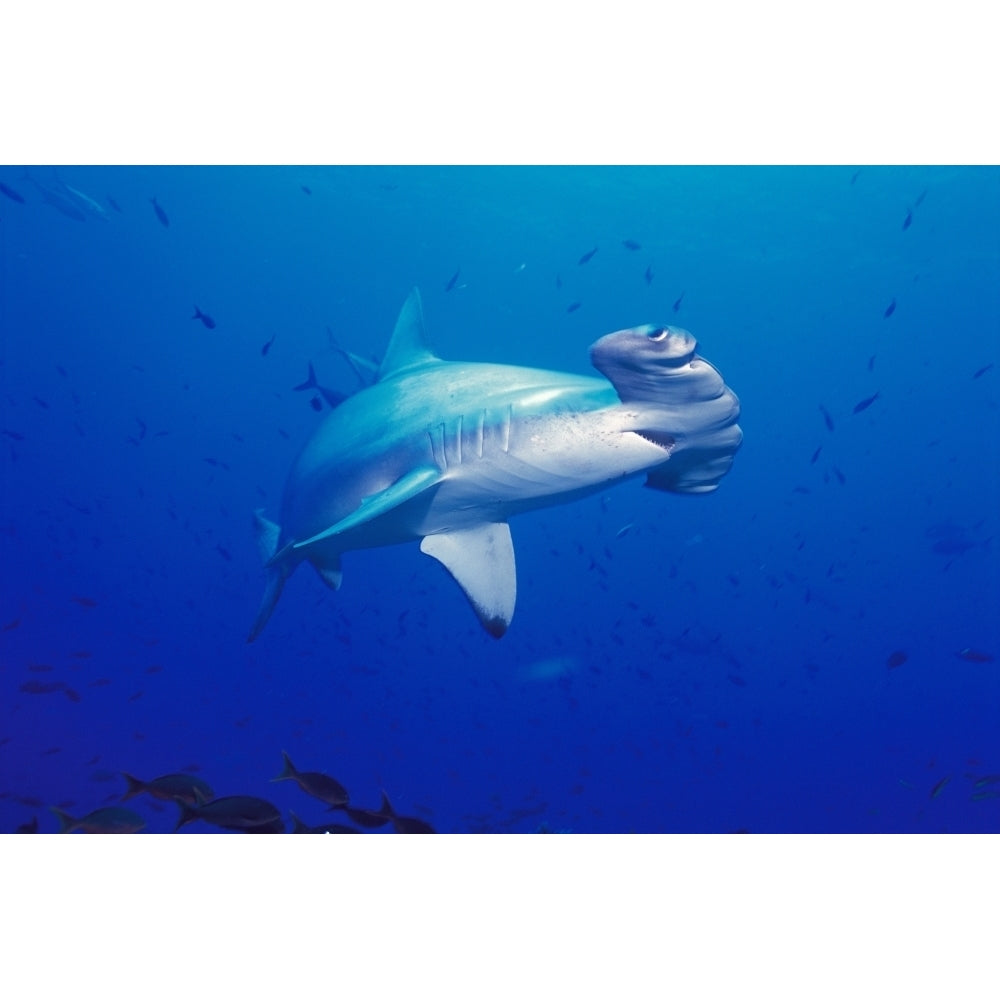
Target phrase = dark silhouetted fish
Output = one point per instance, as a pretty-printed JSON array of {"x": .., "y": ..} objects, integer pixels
[
  {"x": 895, "y": 659},
  {"x": 812, "y": 461},
  {"x": 940, "y": 786},
  {"x": 234, "y": 812},
  {"x": 114, "y": 204},
  {"x": 11, "y": 193},
  {"x": 983, "y": 370},
  {"x": 267, "y": 346},
  {"x": 920, "y": 198},
  {"x": 871, "y": 363},
  {"x": 890, "y": 309},
  {"x": 908, "y": 220},
  {"x": 319, "y": 786},
  {"x": 827, "y": 419},
  {"x": 333, "y": 399},
  {"x": 452, "y": 281},
  {"x": 864, "y": 404},
  {"x": 649, "y": 275},
  {"x": 204, "y": 317},
  {"x": 299, "y": 827},
  {"x": 974, "y": 655},
  {"x": 840, "y": 476},
  {"x": 631, "y": 245},
  {"x": 587, "y": 256},
  {"x": 305, "y": 190},
  {"x": 170, "y": 787},
  {"x": 677, "y": 304},
  {"x": 56, "y": 196},
  {"x": 31, "y": 827},
  {"x": 573, "y": 306},
  {"x": 371, "y": 819},
  {"x": 854, "y": 176},
  {"x": 111, "y": 820},
  {"x": 405, "y": 824},
  {"x": 160, "y": 214}
]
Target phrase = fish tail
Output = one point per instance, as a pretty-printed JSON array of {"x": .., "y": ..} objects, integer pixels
[
  {"x": 66, "y": 822},
  {"x": 297, "y": 825},
  {"x": 288, "y": 768},
  {"x": 310, "y": 383},
  {"x": 386, "y": 808},
  {"x": 268, "y": 534},
  {"x": 135, "y": 786},
  {"x": 197, "y": 313},
  {"x": 187, "y": 815}
]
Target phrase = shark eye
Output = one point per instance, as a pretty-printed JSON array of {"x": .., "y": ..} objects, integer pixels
[{"x": 657, "y": 333}]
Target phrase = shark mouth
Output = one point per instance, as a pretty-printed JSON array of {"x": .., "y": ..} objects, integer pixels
[{"x": 665, "y": 441}]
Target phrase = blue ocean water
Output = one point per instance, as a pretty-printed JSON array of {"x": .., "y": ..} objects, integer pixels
[{"x": 814, "y": 647}]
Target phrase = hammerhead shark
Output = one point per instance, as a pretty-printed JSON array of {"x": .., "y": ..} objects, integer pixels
[{"x": 447, "y": 452}]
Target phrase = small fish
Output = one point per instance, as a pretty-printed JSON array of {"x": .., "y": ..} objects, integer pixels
[
  {"x": 854, "y": 176},
  {"x": 267, "y": 346},
  {"x": 371, "y": 819},
  {"x": 319, "y": 786},
  {"x": 85, "y": 602},
  {"x": 31, "y": 827},
  {"x": 631, "y": 245},
  {"x": 890, "y": 309},
  {"x": 974, "y": 655},
  {"x": 983, "y": 370},
  {"x": 625, "y": 529},
  {"x": 316, "y": 403},
  {"x": 111, "y": 820},
  {"x": 987, "y": 779},
  {"x": 452, "y": 280},
  {"x": 989, "y": 793},
  {"x": 865, "y": 403},
  {"x": 299, "y": 827},
  {"x": 11, "y": 193},
  {"x": 649, "y": 275},
  {"x": 111, "y": 201},
  {"x": 72, "y": 695},
  {"x": 42, "y": 687},
  {"x": 170, "y": 788},
  {"x": 828, "y": 420},
  {"x": 895, "y": 659},
  {"x": 737, "y": 680},
  {"x": 225, "y": 553},
  {"x": 940, "y": 786},
  {"x": 333, "y": 399},
  {"x": 17, "y": 436},
  {"x": 920, "y": 198},
  {"x": 587, "y": 256},
  {"x": 11, "y": 625},
  {"x": 677, "y": 304},
  {"x": 405, "y": 824},
  {"x": 305, "y": 190},
  {"x": 812, "y": 461},
  {"x": 234, "y": 812},
  {"x": 840, "y": 476},
  {"x": 160, "y": 214},
  {"x": 204, "y": 317},
  {"x": 908, "y": 220},
  {"x": 573, "y": 306}
]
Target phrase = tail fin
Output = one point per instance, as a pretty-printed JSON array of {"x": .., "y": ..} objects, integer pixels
[
  {"x": 135, "y": 787},
  {"x": 66, "y": 822},
  {"x": 288, "y": 770},
  {"x": 310, "y": 383},
  {"x": 268, "y": 534},
  {"x": 297, "y": 825}
]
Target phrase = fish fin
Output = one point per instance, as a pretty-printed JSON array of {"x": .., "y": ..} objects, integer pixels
[
  {"x": 135, "y": 786},
  {"x": 187, "y": 815},
  {"x": 407, "y": 347},
  {"x": 481, "y": 559},
  {"x": 277, "y": 570},
  {"x": 297, "y": 825},
  {"x": 310, "y": 383},
  {"x": 66, "y": 822},
  {"x": 331, "y": 575},
  {"x": 288, "y": 768},
  {"x": 405, "y": 488},
  {"x": 367, "y": 371}
]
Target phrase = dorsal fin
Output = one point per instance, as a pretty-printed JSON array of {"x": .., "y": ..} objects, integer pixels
[{"x": 407, "y": 348}]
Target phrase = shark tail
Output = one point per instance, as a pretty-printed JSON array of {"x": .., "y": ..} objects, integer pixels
[
  {"x": 310, "y": 383},
  {"x": 278, "y": 571}
]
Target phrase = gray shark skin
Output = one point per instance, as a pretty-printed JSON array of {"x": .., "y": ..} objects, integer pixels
[{"x": 447, "y": 452}]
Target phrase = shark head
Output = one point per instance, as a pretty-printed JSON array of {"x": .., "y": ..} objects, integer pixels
[{"x": 444, "y": 453}]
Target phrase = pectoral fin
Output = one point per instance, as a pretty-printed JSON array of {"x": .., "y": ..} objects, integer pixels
[
  {"x": 405, "y": 488},
  {"x": 481, "y": 559}
]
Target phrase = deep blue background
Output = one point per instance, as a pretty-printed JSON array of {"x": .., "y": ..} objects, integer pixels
[{"x": 720, "y": 666}]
